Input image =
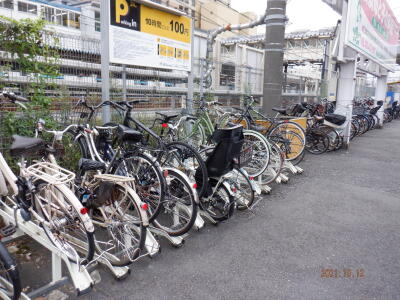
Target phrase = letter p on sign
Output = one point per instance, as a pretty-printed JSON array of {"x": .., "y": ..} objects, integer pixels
[{"x": 121, "y": 9}]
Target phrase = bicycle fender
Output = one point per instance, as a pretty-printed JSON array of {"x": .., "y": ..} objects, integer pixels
[
  {"x": 87, "y": 221},
  {"x": 192, "y": 184},
  {"x": 138, "y": 201}
]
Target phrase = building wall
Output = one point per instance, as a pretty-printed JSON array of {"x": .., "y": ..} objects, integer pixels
[{"x": 213, "y": 14}]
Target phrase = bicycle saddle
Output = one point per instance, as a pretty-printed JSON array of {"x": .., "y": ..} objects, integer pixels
[
  {"x": 167, "y": 118},
  {"x": 280, "y": 110},
  {"x": 126, "y": 134},
  {"x": 26, "y": 146},
  {"x": 91, "y": 165},
  {"x": 335, "y": 119}
]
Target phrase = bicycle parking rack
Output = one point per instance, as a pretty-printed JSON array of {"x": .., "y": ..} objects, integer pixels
[{"x": 79, "y": 275}]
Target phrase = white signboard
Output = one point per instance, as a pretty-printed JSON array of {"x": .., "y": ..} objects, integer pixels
[
  {"x": 144, "y": 36},
  {"x": 372, "y": 30}
]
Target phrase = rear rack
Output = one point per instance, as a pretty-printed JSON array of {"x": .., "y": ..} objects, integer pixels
[{"x": 50, "y": 173}]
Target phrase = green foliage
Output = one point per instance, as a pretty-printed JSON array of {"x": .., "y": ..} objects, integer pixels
[{"x": 34, "y": 50}]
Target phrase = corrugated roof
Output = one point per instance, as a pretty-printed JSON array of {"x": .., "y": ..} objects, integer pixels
[{"x": 291, "y": 35}]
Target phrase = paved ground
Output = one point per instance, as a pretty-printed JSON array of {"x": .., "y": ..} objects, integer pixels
[{"x": 343, "y": 213}]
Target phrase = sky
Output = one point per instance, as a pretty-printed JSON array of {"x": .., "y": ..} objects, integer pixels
[{"x": 303, "y": 14}]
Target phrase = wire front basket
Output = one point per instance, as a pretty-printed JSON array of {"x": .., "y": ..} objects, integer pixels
[{"x": 246, "y": 154}]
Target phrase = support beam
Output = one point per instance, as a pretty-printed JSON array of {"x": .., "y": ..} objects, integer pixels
[
  {"x": 273, "y": 62},
  {"x": 345, "y": 95},
  {"x": 380, "y": 95}
]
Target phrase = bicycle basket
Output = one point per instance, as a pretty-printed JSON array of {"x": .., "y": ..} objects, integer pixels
[{"x": 246, "y": 154}]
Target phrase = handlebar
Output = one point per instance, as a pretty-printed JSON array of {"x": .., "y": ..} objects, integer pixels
[{"x": 14, "y": 98}]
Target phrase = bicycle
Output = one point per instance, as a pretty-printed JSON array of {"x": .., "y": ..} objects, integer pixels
[
  {"x": 43, "y": 193},
  {"x": 116, "y": 209}
]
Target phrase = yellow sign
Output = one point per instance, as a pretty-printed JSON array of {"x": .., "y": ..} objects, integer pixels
[{"x": 164, "y": 24}]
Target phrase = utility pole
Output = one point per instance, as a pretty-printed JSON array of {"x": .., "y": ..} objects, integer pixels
[{"x": 273, "y": 61}]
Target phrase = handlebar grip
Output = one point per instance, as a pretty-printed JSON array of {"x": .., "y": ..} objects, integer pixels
[{"x": 14, "y": 97}]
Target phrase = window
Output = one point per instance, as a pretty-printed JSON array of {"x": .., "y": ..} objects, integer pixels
[
  {"x": 227, "y": 76},
  {"x": 58, "y": 17},
  {"x": 97, "y": 26},
  {"x": 73, "y": 20},
  {"x": 49, "y": 14},
  {"x": 64, "y": 16},
  {"x": 27, "y": 7},
  {"x": 7, "y": 4}
]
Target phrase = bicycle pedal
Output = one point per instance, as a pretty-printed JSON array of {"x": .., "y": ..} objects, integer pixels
[{"x": 8, "y": 230}]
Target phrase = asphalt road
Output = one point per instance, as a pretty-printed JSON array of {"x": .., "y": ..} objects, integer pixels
[{"x": 340, "y": 216}]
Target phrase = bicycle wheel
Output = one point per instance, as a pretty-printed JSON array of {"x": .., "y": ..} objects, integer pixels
[
  {"x": 275, "y": 166},
  {"x": 291, "y": 143},
  {"x": 64, "y": 220},
  {"x": 220, "y": 205},
  {"x": 121, "y": 227},
  {"x": 179, "y": 208},
  {"x": 192, "y": 132},
  {"x": 185, "y": 158},
  {"x": 292, "y": 132},
  {"x": 242, "y": 188},
  {"x": 261, "y": 153},
  {"x": 149, "y": 180},
  {"x": 10, "y": 282},
  {"x": 317, "y": 141},
  {"x": 74, "y": 149}
]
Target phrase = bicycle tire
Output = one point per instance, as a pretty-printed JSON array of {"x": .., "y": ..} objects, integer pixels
[
  {"x": 149, "y": 173},
  {"x": 261, "y": 153},
  {"x": 125, "y": 238},
  {"x": 221, "y": 201},
  {"x": 283, "y": 128},
  {"x": 188, "y": 160},
  {"x": 275, "y": 166},
  {"x": 70, "y": 217},
  {"x": 179, "y": 193},
  {"x": 191, "y": 131},
  {"x": 9, "y": 268},
  {"x": 244, "y": 193}
]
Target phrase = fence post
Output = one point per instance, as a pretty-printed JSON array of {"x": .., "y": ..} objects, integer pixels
[
  {"x": 105, "y": 58},
  {"x": 124, "y": 82}
]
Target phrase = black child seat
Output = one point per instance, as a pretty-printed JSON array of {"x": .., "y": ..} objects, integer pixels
[
  {"x": 335, "y": 119},
  {"x": 223, "y": 157},
  {"x": 229, "y": 143},
  {"x": 26, "y": 146}
]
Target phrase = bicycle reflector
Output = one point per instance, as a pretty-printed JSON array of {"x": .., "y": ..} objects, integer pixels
[
  {"x": 164, "y": 125},
  {"x": 84, "y": 210},
  {"x": 195, "y": 186},
  {"x": 144, "y": 206},
  {"x": 165, "y": 173}
]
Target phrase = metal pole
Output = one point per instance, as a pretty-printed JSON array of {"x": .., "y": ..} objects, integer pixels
[
  {"x": 105, "y": 58},
  {"x": 380, "y": 95},
  {"x": 124, "y": 83},
  {"x": 273, "y": 62},
  {"x": 201, "y": 78},
  {"x": 190, "y": 92}
]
